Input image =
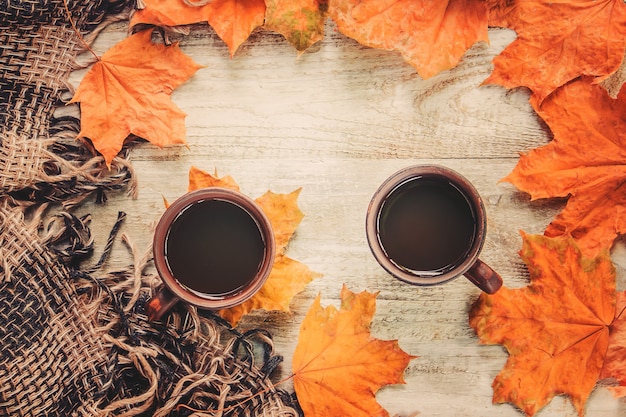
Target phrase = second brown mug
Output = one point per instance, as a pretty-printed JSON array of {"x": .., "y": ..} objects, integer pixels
[{"x": 426, "y": 225}]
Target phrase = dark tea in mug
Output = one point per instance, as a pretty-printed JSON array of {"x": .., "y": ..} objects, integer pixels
[
  {"x": 427, "y": 226},
  {"x": 214, "y": 248}
]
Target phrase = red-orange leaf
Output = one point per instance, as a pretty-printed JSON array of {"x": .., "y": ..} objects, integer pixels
[
  {"x": 288, "y": 277},
  {"x": 128, "y": 91},
  {"x": 431, "y": 35},
  {"x": 558, "y": 41},
  {"x": 232, "y": 20},
  {"x": 586, "y": 160},
  {"x": 170, "y": 13},
  {"x": 301, "y": 22},
  {"x": 615, "y": 362},
  {"x": 556, "y": 330},
  {"x": 338, "y": 366}
]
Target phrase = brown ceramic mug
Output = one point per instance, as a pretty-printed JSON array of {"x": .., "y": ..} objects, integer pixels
[
  {"x": 426, "y": 225},
  {"x": 213, "y": 248}
]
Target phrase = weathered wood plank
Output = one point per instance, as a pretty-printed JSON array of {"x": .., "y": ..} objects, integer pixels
[{"x": 337, "y": 121}]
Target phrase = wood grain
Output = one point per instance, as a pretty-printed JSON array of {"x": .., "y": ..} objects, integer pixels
[{"x": 337, "y": 121}]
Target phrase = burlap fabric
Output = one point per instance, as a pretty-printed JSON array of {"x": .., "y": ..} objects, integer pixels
[
  {"x": 74, "y": 340},
  {"x": 39, "y": 157}
]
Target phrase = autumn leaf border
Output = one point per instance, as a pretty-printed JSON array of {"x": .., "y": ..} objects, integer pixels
[{"x": 536, "y": 99}]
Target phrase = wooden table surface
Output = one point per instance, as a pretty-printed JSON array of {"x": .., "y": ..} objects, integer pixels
[{"x": 337, "y": 121}]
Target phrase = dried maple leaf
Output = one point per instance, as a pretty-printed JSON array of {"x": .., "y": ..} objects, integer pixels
[
  {"x": 586, "y": 160},
  {"x": 431, "y": 35},
  {"x": 582, "y": 38},
  {"x": 615, "y": 362},
  {"x": 556, "y": 330},
  {"x": 300, "y": 22},
  {"x": 288, "y": 277},
  {"x": 201, "y": 179},
  {"x": 284, "y": 214},
  {"x": 337, "y": 366},
  {"x": 232, "y": 20},
  {"x": 170, "y": 13},
  {"x": 128, "y": 91}
]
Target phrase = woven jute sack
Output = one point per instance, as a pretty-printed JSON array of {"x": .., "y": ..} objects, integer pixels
[
  {"x": 75, "y": 341},
  {"x": 78, "y": 345},
  {"x": 39, "y": 156},
  {"x": 53, "y": 360}
]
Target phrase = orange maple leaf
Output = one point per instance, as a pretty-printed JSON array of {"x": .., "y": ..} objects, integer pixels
[
  {"x": 582, "y": 38},
  {"x": 128, "y": 91},
  {"x": 232, "y": 20},
  {"x": 337, "y": 366},
  {"x": 556, "y": 330},
  {"x": 201, "y": 179},
  {"x": 300, "y": 22},
  {"x": 431, "y": 35},
  {"x": 288, "y": 277},
  {"x": 586, "y": 160},
  {"x": 168, "y": 13},
  {"x": 615, "y": 363}
]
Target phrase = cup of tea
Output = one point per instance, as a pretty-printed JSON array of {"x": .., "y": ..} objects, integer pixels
[
  {"x": 213, "y": 248},
  {"x": 426, "y": 225}
]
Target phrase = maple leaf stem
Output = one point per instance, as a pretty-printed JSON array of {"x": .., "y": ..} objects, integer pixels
[
  {"x": 282, "y": 381},
  {"x": 619, "y": 315},
  {"x": 80, "y": 37}
]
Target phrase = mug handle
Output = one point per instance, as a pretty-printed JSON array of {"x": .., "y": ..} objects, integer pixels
[
  {"x": 160, "y": 304},
  {"x": 484, "y": 277}
]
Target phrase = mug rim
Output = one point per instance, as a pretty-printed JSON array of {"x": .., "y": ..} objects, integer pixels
[
  {"x": 415, "y": 172},
  {"x": 175, "y": 209}
]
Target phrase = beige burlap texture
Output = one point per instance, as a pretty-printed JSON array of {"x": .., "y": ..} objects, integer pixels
[
  {"x": 75, "y": 341},
  {"x": 39, "y": 157}
]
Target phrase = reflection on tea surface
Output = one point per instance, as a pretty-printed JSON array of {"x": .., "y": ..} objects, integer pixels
[
  {"x": 426, "y": 226},
  {"x": 214, "y": 248}
]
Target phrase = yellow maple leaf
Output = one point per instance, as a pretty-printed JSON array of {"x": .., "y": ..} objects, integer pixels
[
  {"x": 288, "y": 277},
  {"x": 338, "y": 366}
]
